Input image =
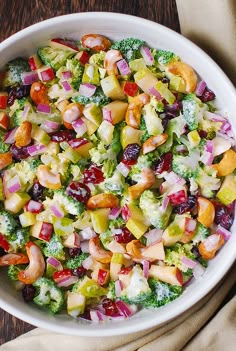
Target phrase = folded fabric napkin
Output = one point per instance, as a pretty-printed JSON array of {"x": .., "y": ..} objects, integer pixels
[{"x": 206, "y": 326}]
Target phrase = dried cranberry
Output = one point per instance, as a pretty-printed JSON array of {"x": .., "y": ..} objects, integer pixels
[
  {"x": 19, "y": 153},
  {"x": 164, "y": 163},
  {"x": 208, "y": 95},
  {"x": 165, "y": 122},
  {"x": 86, "y": 315},
  {"x": 79, "y": 271},
  {"x": 18, "y": 92},
  {"x": 28, "y": 293},
  {"x": 125, "y": 236},
  {"x": 36, "y": 192},
  {"x": 175, "y": 107},
  {"x": 2, "y": 252},
  {"x": 62, "y": 135},
  {"x": 223, "y": 215},
  {"x": 202, "y": 133},
  {"x": 93, "y": 175},
  {"x": 195, "y": 251},
  {"x": 79, "y": 191},
  {"x": 74, "y": 251},
  {"x": 165, "y": 80},
  {"x": 131, "y": 154},
  {"x": 187, "y": 205},
  {"x": 110, "y": 307}
]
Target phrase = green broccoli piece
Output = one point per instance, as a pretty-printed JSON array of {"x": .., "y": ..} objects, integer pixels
[
  {"x": 99, "y": 98},
  {"x": 143, "y": 127},
  {"x": 152, "y": 209},
  {"x": 34, "y": 164},
  {"x": 192, "y": 111},
  {"x": 48, "y": 295},
  {"x": 7, "y": 223},
  {"x": 55, "y": 58},
  {"x": 135, "y": 172},
  {"x": 116, "y": 223},
  {"x": 115, "y": 184},
  {"x": 207, "y": 181},
  {"x": 138, "y": 289},
  {"x": 201, "y": 233},
  {"x": 163, "y": 57},
  {"x": 3, "y": 147},
  {"x": 14, "y": 70},
  {"x": 19, "y": 238},
  {"x": 129, "y": 48},
  {"x": 16, "y": 111},
  {"x": 13, "y": 271},
  {"x": 76, "y": 261},
  {"x": 162, "y": 293},
  {"x": 98, "y": 59},
  {"x": 108, "y": 167},
  {"x": 74, "y": 66},
  {"x": 106, "y": 238},
  {"x": 175, "y": 253},
  {"x": 101, "y": 153},
  {"x": 115, "y": 145},
  {"x": 185, "y": 166},
  {"x": 111, "y": 291},
  {"x": 69, "y": 204},
  {"x": 54, "y": 248}
]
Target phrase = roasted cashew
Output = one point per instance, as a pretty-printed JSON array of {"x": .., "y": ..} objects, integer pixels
[
  {"x": 36, "y": 266},
  {"x": 186, "y": 72},
  {"x": 111, "y": 57},
  {"x": 147, "y": 180},
  {"x": 97, "y": 252}
]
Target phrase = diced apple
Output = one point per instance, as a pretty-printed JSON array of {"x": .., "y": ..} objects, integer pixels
[
  {"x": 46, "y": 73},
  {"x": 163, "y": 90},
  {"x": 62, "y": 44},
  {"x": 114, "y": 246},
  {"x": 27, "y": 219},
  {"x": 73, "y": 240},
  {"x": 177, "y": 84},
  {"x": 63, "y": 226},
  {"x": 177, "y": 195},
  {"x": 194, "y": 138},
  {"x": 166, "y": 274},
  {"x": 34, "y": 206},
  {"x": 137, "y": 65},
  {"x": 91, "y": 74},
  {"x": 40, "y": 135},
  {"x": 227, "y": 192},
  {"x": 115, "y": 111},
  {"x": 145, "y": 80},
  {"x": 42, "y": 230},
  {"x": 136, "y": 227},
  {"x": 82, "y": 145},
  {"x": 75, "y": 304},
  {"x": 125, "y": 277},
  {"x": 111, "y": 88},
  {"x": 130, "y": 135},
  {"x": 100, "y": 219},
  {"x": 15, "y": 202},
  {"x": 103, "y": 276},
  {"x": 34, "y": 62},
  {"x": 4, "y": 121},
  {"x": 174, "y": 231},
  {"x": 154, "y": 251},
  {"x": 93, "y": 113},
  {"x": 153, "y": 123},
  {"x": 130, "y": 89},
  {"x": 105, "y": 132},
  {"x": 206, "y": 211},
  {"x": 71, "y": 155},
  {"x": 90, "y": 126},
  {"x": 3, "y": 100},
  {"x": 83, "y": 57}
]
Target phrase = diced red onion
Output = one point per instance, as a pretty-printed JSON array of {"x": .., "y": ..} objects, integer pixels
[
  {"x": 200, "y": 88},
  {"x": 10, "y": 136},
  {"x": 173, "y": 178},
  {"x": 123, "y": 67},
  {"x": 123, "y": 308},
  {"x": 88, "y": 263},
  {"x": 153, "y": 236},
  {"x": 13, "y": 185},
  {"x": 174, "y": 107},
  {"x": 114, "y": 246},
  {"x": 147, "y": 55},
  {"x": 25, "y": 111},
  {"x": 198, "y": 270},
  {"x": 190, "y": 225},
  {"x": 36, "y": 149},
  {"x": 115, "y": 212},
  {"x": 226, "y": 233},
  {"x": 123, "y": 169},
  {"x": 66, "y": 75},
  {"x": 188, "y": 262},
  {"x": 66, "y": 85},
  {"x": 53, "y": 125},
  {"x": 181, "y": 148},
  {"x": 80, "y": 127},
  {"x": 29, "y": 78},
  {"x": 87, "y": 89},
  {"x": 230, "y": 133},
  {"x": 54, "y": 263},
  {"x": 106, "y": 115},
  {"x": 125, "y": 213},
  {"x": 155, "y": 93},
  {"x": 118, "y": 288},
  {"x": 44, "y": 108},
  {"x": 68, "y": 281},
  {"x": 84, "y": 245},
  {"x": 207, "y": 158},
  {"x": 165, "y": 203},
  {"x": 57, "y": 210},
  {"x": 34, "y": 206},
  {"x": 146, "y": 266},
  {"x": 97, "y": 316},
  {"x": 226, "y": 137},
  {"x": 87, "y": 233}
]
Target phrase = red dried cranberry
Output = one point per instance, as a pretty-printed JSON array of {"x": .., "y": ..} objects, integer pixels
[
  {"x": 165, "y": 80},
  {"x": 79, "y": 271},
  {"x": 79, "y": 191},
  {"x": 223, "y": 215},
  {"x": 175, "y": 107},
  {"x": 165, "y": 122},
  {"x": 62, "y": 135},
  {"x": 74, "y": 251},
  {"x": 164, "y": 163},
  {"x": 125, "y": 270},
  {"x": 28, "y": 293},
  {"x": 93, "y": 175},
  {"x": 19, "y": 153},
  {"x": 36, "y": 192},
  {"x": 86, "y": 315},
  {"x": 17, "y": 92},
  {"x": 208, "y": 95},
  {"x": 187, "y": 205},
  {"x": 202, "y": 133},
  {"x": 125, "y": 236},
  {"x": 110, "y": 307},
  {"x": 131, "y": 154}
]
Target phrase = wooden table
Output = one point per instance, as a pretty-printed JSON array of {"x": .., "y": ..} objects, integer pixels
[{"x": 16, "y": 15}]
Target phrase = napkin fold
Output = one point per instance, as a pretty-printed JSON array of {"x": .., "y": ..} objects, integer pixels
[{"x": 189, "y": 332}]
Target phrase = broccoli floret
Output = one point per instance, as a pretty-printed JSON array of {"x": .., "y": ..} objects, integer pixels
[
  {"x": 135, "y": 172},
  {"x": 54, "y": 248},
  {"x": 13, "y": 271},
  {"x": 16, "y": 111},
  {"x": 34, "y": 164},
  {"x": 207, "y": 181},
  {"x": 201, "y": 233},
  {"x": 162, "y": 293},
  {"x": 100, "y": 154},
  {"x": 76, "y": 172},
  {"x": 192, "y": 111},
  {"x": 108, "y": 168},
  {"x": 129, "y": 48},
  {"x": 185, "y": 166},
  {"x": 98, "y": 59},
  {"x": 7, "y": 223},
  {"x": 143, "y": 127},
  {"x": 138, "y": 289},
  {"x": 3, "y": 147},
  {"x": 175, "y": 126},
  {"x": 163, "y": 57},
  {"x": 116, "y": 223},
  {"x": 115, "y": 145},
  {"x": 152, "y": 209},
  {"x": 77, "y": 261},
  {"x": 106, "y": 238},
  {"x": 99, "y": 98},
  {"x": 115, "y": 184},
  {"x": 48, "y": 295},
  {"x": 14, "y": 70},
  {"x": 55, "y": 58},
  {"x": 69, "y": 204},
  {"x": 19, "y": 238},
  {"x": 74, "y": 66},
  {"x": 111, "y": 291},
  {"x": 175, "y": 253}
]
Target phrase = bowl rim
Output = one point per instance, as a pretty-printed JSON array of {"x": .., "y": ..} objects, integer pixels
[{"x": 176, "y": 311}]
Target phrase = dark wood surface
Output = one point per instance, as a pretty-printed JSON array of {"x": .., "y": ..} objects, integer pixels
[{"x": 18, "y": 14}]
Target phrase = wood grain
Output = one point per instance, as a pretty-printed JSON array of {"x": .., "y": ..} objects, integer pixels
[{"x": 18, "y": 14}]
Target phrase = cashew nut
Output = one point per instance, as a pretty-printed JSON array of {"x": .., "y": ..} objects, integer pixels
[
  {"x": 39, "y": 93},
  {"x": 153, "y": 142},
  {"x": 208, "y": 247},
  {"x": 96, "y": 42},
  {"x": 47, "y": 178},
  {"x": 111, "y": 57},
  {"x": 102, "y": 201},
  {"x": 147, "y": 180},
  {"x": 227, "y": 165},
  {"x": 36, "y": 265},
  {"x": 186, "y": 72},
  {"x": 13, "y": 259},
  {"x": 97, "y": 252}
]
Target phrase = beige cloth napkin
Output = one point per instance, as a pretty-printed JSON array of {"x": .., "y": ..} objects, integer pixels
[{"x": 212, "y": 25}]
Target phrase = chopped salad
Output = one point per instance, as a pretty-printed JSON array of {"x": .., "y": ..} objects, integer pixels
[{"x": 117, "y": 176}]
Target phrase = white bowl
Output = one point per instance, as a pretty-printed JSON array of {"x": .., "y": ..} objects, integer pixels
[{"x": 118, "y": 26}]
